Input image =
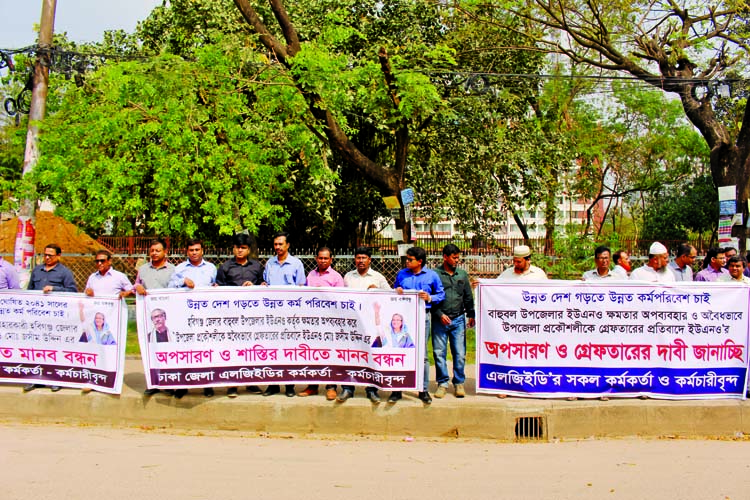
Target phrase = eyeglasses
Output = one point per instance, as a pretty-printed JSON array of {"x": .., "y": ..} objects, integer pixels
[
  {"x": 50, "y": 255},
  {"x": 99, "y": 261}
]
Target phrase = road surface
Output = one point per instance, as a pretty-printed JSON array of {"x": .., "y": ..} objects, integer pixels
[{"x": 62, "y": 462}]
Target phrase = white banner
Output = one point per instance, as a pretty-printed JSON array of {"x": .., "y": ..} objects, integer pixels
[
  {"x": 63, "y": 339},
  {"x": 564, "y": 338},
  {"x": 230, "y": 336}
]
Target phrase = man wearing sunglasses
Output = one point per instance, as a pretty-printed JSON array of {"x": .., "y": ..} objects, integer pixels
[
  {"x": 51, "y": 277},
  {"x": 107, "y": 281}
]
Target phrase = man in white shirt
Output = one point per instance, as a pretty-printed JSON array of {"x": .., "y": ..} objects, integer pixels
[
  {"x": 363, "y": 278},
  {"x": 522, "y": 268},
  {"x": 655, "y": 270}
]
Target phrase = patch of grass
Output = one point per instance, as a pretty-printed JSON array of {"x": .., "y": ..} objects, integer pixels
[{"x": 132, "y": 348}]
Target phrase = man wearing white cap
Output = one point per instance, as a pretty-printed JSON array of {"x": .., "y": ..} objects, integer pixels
[
  {"x": 656, "y": 269},
  {"x": 522, "y": 268}
]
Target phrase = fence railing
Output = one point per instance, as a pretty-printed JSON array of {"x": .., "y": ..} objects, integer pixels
[
  {"x": 500, "y": 246},
  {"x": 82, "y": 266}
]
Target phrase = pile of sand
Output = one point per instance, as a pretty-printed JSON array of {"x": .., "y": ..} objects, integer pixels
[{"x": 49, "y": 229}]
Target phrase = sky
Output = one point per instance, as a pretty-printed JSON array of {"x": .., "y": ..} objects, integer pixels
[{"x": 83, "y": 20}]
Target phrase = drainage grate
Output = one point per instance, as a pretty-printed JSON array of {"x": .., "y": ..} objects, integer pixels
[{"x": 530, "y": 429}]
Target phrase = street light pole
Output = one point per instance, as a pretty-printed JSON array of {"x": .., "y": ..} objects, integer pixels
[{"x": 25, "y": 235}]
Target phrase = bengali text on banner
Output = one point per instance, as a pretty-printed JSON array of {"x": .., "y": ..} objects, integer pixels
[
  {"x": 566, "y": 338},
  {"x": 63, "y": 339},
  {"x": 229, "y": 336}
]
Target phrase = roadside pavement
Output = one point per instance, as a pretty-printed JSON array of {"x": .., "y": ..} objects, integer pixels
[{"x": 473, "y": 417}]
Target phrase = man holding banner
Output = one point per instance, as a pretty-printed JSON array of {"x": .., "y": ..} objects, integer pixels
[
  {"x": 656, "y": 269},
  {"x": 416, "y": 277},
  {"x": 325, "y": 276},
  {"x": 240, "y": 270},
  {"x": 51, "y": 277},
  {"x": 363, "y": 277},
  {"x": 283, "y": 269},
  {"x": 522, "y": 268},
  {"x": 194, "y": 273}
]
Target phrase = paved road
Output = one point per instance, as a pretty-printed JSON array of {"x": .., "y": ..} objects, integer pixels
[{"x": 60, "y": 462}]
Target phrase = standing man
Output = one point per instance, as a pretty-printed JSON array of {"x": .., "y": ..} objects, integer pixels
[
  {"x": 240, "y": 270},
  {"x": 713, "y": 265},
  {"x": 194, "y": 273},
  {"x": 416, "y": 277},
  {"x": 8, "y": 276},
  {"x": 51, "y": 277},
  {"x": 622, "y": 264},
  {"x": 153, "y": 275},
  {"x": 323, "y": 276},
  {"x": 157, "y": 272},
  {"x": 602, "y": 271},
  {"x": 682, "y": 265},
  {"x": 449, "y": 323},
  {"x": 105, "y": 280},
  {"x": 736, "y": 265},
  {"x": 363, "y": 278},
  {"x": 283, "y": 269},
  {"x": 729, "y": 252},
  {"x": 522, "y": 268},
  {"x": 655, "y": 270}
]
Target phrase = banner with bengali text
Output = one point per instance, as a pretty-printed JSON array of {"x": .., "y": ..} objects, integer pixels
[
  {"x": 563, "y": 339},
  {"x": 64, "y": 339},
  {"x": 233, "y": 336}
]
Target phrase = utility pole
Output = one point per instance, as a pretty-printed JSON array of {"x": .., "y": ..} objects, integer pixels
[{"x": 25, "y": 235}]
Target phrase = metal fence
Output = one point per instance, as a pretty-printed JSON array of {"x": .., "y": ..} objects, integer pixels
[
  {"x": 478, "y": 266},
  {"x": 131, "y": 245}
]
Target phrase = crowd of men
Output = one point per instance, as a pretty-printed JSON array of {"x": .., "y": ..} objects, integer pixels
[
  {"x": 719, "y": 265},
  {"x": 446, "y": 291}
]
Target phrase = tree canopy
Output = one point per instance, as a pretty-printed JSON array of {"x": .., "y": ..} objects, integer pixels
[{"x": 696, "y": 50}]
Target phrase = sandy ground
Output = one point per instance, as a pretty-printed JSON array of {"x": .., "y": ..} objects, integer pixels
[{"x": 59, "y": 462}]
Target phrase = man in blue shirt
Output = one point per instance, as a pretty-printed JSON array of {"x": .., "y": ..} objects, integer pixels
[
  {"x": 51, "y": 277},
  {"x": 416, "y": 277},
  {"x": 194, "y": 273},
  {"x": 283, "y": 269}
]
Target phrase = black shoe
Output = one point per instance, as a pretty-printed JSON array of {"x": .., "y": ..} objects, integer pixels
[
  {"x": 54, "y": 388},
  {"x": 289, "y": 390},
  {"x": 232, "y": 392},
  {"x": 208, "y": 392},
  {"x": 151, "y": 392},
  {"x": 31, "y": 387},
  {"x": 373, "y": 397},
  {"x": 179, "y": 393},
  {"x": 345, "y": 394},
  {"x": 254, "y": 389},
  {"x": 271, "y": 390},
  {"x": 425, "y": 397},
  {"x": 395, "y": 396}
]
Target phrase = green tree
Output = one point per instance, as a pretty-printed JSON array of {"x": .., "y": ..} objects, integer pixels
[
  {"x": 694, "y": 50},
  {"x": 643, "y": 147},
  {"x": 166, "y": 145},
  {"x": 676, "y": 218}
]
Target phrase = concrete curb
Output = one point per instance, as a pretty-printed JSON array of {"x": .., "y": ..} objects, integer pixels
[{"x": 475, "y": 417}]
